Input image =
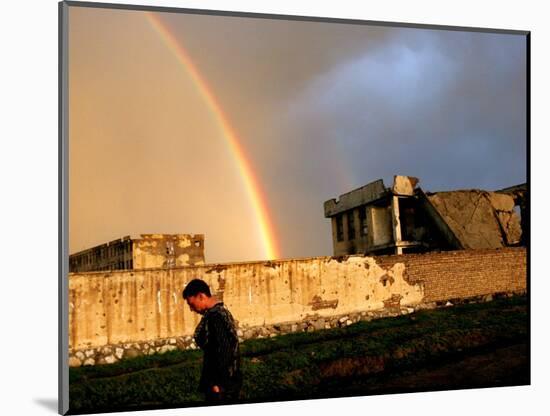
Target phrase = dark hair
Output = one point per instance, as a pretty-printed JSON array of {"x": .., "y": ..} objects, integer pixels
[{"x": 194, "y": 287}]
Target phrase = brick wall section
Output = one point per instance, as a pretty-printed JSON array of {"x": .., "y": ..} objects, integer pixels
[{"x": 464, "y": 273}]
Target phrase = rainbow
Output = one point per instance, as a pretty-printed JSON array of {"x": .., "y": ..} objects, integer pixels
[{"x": 250, "y": 181}]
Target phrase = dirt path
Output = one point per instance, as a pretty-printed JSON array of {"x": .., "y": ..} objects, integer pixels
[{"x": 503, "y": 366}]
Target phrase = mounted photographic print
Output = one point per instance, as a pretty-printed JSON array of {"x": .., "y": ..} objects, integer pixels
[{"x": 260, "y": 208}]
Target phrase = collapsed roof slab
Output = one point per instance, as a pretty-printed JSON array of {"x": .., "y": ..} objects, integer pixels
[{"x": 479, "y": 219}]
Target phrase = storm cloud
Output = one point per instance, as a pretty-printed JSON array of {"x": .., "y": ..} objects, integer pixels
[{"x": 320, "y": 108}]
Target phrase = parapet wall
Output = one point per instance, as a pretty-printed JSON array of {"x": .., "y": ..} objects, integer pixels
[{"x": 125, "y": 313}]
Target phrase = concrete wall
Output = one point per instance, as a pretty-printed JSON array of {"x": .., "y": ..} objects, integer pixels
[
  {"x": 146, "y": 305},
  {"x": 380, "y": 223},
  {"x": 126, "y": 306}
]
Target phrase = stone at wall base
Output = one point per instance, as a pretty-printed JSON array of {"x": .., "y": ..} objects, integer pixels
[
  {"x": 74, "y": 362},
  {"x": 132, "y": 353},
  {"x": 89, "y": 361}
]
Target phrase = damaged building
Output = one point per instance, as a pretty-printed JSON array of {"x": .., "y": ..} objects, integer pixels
[
  {"x": 148, "y": 251},
  {"x": 374, "y": 219}
]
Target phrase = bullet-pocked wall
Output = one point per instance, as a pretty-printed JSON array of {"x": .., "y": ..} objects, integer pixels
[{"x": 146, "y": 305}]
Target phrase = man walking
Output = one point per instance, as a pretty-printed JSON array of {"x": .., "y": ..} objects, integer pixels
[{"x": 216, "y": 335}]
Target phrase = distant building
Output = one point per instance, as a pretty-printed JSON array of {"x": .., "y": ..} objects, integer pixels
[
  {"x": 149, "y": 251},
  {"x": 379, "y": 220}
]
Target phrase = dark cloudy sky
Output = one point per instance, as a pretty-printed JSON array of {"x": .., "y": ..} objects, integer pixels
[{"x": 320, "y": 109}]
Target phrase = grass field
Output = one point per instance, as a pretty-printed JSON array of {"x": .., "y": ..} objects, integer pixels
[{"x": 465, "y": 346}]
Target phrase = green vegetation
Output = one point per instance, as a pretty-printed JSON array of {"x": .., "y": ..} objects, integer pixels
[{"x": 302, "y": 365}]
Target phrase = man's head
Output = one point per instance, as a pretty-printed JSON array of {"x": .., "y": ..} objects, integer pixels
[{"x": 198, "y": 296}]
